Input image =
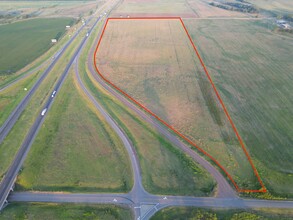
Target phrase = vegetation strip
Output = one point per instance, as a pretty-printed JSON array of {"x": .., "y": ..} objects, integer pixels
[{"x": 263, "y": 189}]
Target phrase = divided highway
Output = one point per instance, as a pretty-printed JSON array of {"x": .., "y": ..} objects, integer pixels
[
  {"x": 143, "y": 204},
  {"x": 15, "y": 114},
  {"x": 9, "y": 179}
]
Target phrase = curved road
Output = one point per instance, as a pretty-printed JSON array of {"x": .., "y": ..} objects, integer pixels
[
  {"x": 224, "y": 189},
  {"x": 8, "y": 180},
  {"x": 142, "y": 203}
]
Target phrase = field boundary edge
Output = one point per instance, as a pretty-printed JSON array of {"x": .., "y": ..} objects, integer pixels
[{"x": 263, "y": 188}]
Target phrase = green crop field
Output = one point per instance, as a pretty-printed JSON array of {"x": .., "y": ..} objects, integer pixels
[
  {"x": 22, "y": 42},
  {"x": 224, "y": 214},
  {"x": 64, "y": 211},
  {"x": 75, "y": 150},
  {"x": 252, "y": 68}
]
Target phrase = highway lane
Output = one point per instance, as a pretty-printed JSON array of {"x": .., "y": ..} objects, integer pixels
[
  {"x": 224, "y": 189},
  {"x": 158, "y": 202},
  {"x": 10, "y": 176},
  {"x": 136, "y": 199},
  {"x": 15, "y": 114},
  {"x": 99, "y": 198}
]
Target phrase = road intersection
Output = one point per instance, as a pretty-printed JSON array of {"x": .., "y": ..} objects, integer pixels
[{"x": 142, "y": 203}]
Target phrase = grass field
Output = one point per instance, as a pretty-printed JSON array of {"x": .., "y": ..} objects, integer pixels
[
  {"x": 218, "y": 214},
  {"x": 11, "y": 97},
  {"x": 203, "y": 9},
  {"x": 252, "y": 68},
  {"x": 157, "y": 66},
  {"x": 164, "y": 168},
  {"x": 182, "y": 8},
  {"x": 154, "y": 7},
  {"x": 75, "y": 150},
  {"x": 24, "y": 41},
  {"x": 64, "y": 211},
  {"x": 12, "y": 11},
  {"x": 12, "y": 142},
  {"x": 282, "y": 6}
]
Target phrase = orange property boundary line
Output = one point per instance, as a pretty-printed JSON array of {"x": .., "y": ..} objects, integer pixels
[{"x": 263, "y": 189}]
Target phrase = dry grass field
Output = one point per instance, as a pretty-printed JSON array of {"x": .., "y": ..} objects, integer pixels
[
  {"x": 252, "y": 68},
  {"x": 154, "y": 62},
  {"x": 274, "y": 5},
  {"x": 182, "y": 8},
  {"x": 203, "y": 10},
  {"x": 154, "y": 8}
]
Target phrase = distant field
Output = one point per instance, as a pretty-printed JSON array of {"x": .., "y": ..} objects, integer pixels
[
  {"x": 214, "y": 214},
  {"x": 154, "y": 7},
  {"x": 23, "y": 42},
  {"x": 203, "y": 9},
  {"x": 252, "y": 68},
  {"x": 48, "y": 211},
  {"x": 274, "y": 5},
  {"x": 75, "y": 150},
  {"x": 182, "y": 8},
  {"x": 154, "y": 62},
  {"x": 9, "y": 5}
]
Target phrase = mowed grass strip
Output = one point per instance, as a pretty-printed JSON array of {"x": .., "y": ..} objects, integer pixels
[
  {"x": 165, "y": 169},
  {"x": 214, "y": 214},
  {"x": 64, "y": 211},
  {"x": 76, "y": 150},
  {"x": 154, "y": 62},
  {"x": 22, "y": 42},
  {"x": 252, "y": 68}
]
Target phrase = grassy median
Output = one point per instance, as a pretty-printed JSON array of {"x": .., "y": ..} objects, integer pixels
[{"x": 76, "y": 150}]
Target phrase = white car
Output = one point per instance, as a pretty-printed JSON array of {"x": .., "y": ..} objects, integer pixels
[
  {"x": 53, "y": 94},
  {"x": 44, "y": 112}
]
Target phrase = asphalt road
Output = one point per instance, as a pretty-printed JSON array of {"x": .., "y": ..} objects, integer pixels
[
  {"x": 224, "y": 189},
  {"x": 10, "y": 176},
  {"x": 137, "y": 190},
  {"x": 15, "y": 114},
  {"x": 142, "y": 203},
  {"x": 156, "y": 202},
  {"x": 8, "y": 180}
]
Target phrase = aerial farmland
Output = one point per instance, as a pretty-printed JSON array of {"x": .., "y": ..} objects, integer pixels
[{"x": 135, "y": 109}]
